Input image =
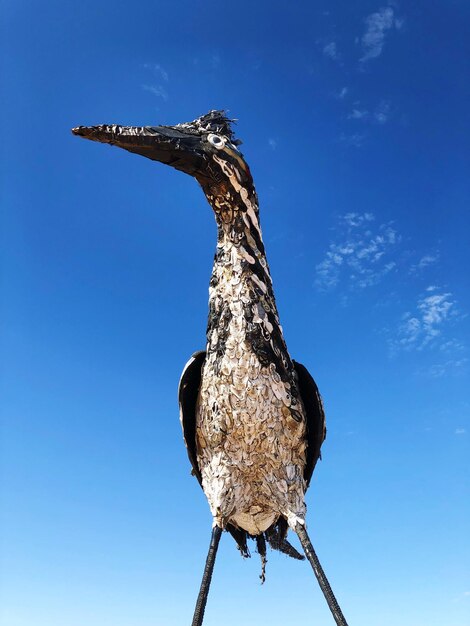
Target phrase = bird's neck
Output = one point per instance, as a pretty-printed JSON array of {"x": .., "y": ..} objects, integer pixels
[{"x": 242, "y": 307}]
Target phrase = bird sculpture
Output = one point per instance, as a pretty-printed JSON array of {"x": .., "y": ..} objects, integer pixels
[{"x": 252, "y": 417}]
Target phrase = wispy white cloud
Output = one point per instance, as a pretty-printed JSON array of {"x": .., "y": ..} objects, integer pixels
[
  {"x": 453, "y": 346},
  {"x": 377, "y": 25},
  {"x": 343, "y": 93},
  {"x": 452, "y": 366},
  {"x": 462, "y": 431},
  {"x": 158, "y": 70},
  {"x": 357, "y": 219},
  {"x": 156, "y": 90},
  {"x": 352, "y": 139},
  {"x": 382, "y": 112},
  {"x": 425, "y": 261},
  {"x": 272, "y": 143},
  {"x": 331, "y": 50},
  {"x": 380, "y": 115},
  {"x": 399, "y": 21},
  {"x": 424, "y": 326},
  {"x": 361, "y": 255},
  {"x": 358, "y": 114}
]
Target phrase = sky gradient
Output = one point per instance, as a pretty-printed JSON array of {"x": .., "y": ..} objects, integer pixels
[{"x": 354, "y": 118}]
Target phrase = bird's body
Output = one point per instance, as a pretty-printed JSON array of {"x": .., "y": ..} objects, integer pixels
[
  {"x": 249, "y": 447},
  {"x": 252, "y": 418}
]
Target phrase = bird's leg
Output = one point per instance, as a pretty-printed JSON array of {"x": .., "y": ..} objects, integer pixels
[
  {"x": 206, "y": 577},
  {"x": 320, "y": 574}
]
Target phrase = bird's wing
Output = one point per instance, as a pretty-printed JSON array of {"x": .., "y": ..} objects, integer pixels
[
  {"x": 316, "y": 429},
  {"x": 187, "y": 396}
]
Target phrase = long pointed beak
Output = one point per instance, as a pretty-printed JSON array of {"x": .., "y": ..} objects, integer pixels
[{"x": 160, "y": 143}]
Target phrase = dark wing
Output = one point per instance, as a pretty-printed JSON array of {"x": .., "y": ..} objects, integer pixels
[
  {"x": 187, "y": 397},
  {"x": 316, "y": 428}
]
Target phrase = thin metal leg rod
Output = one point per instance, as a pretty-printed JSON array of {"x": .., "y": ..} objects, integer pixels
[
  {"x": 206, "y": 577},
  {"x": 320, "y": 574}
]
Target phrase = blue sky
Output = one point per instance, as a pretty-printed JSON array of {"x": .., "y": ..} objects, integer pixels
[{"x": 354, "y": 117}]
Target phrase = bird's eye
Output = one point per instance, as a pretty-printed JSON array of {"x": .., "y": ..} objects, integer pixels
[{"x": 216, "y": 141}]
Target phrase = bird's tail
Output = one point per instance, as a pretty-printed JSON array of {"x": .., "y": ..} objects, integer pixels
[{"x": 275, "y": 536}]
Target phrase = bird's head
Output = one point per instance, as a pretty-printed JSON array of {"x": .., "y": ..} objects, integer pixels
[{"x": 204, "y": 148}]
